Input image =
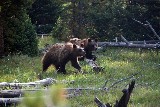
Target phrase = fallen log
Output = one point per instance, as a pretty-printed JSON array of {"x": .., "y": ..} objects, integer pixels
[
  {"x": 8, "y": 101},
  {"x": 21, "y": 92},
  {"x": 102, "y": 44},
  {"x": 44, "y": 82},
  {"x": 10, "y": 94},
  {"x": 17, "y": 95},
  {"x": 145, "y": 42},
  {"x": 123, "y": 44}
]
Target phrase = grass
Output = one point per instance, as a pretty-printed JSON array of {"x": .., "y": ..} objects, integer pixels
[{"x": 118, "y": 63}]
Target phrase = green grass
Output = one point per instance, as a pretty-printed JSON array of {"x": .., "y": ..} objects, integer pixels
[{"x": 118, "y": 63}]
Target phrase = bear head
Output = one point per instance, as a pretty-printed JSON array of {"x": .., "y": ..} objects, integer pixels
[
  {"x": 90, "y": 44},
  {"x": 78, "y": 50},
  {"x": 87, "y": 43}
]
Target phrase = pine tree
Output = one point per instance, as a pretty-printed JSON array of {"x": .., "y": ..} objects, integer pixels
[
  {"x": 19, "y": 33},
  {"x": 44, "y": 14}
]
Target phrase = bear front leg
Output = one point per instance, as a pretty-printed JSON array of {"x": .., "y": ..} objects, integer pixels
[
  {"x": 62, "y": 69},
  {"x": 94, "y": 57},
  {"x": 81, "y": 58},
  {"x": 76, "y": 65},
  {"x": 89, "y": 55},
  {"x": 45, "y": 66}
]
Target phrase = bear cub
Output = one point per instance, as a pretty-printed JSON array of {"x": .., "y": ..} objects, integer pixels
[{"x": 89, "y": 45}]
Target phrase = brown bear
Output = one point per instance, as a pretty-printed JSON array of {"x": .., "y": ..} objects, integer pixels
[
  {"x": 60, "y": 53},
  {"x": 89, "y": 44}
]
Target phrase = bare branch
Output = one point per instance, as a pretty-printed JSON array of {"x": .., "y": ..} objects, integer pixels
[
  {"x": 140, "y": 22},
  {"x": 113, "y": 84},
  {"x": 125, "y": 40},
  {"x": 153, "y": 30},
  {"x": 150, "y": 26},
  {"x": 99, "y": 103}
]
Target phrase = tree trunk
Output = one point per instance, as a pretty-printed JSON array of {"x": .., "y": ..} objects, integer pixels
[{"x": 1, "y": 41}]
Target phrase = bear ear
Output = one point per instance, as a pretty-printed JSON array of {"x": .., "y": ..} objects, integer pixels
[
  {"x": 74, "y": 46},
  {"x": 82, "y": 45},
  {"x": 89, "y": 40}
]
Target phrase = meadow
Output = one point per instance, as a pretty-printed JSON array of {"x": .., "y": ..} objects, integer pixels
[{"x": 118, "y": 63}]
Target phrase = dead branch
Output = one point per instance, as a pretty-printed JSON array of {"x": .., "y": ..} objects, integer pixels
[
  {"x": 126, "y": 96},
  {"x": 150, "y": 26},
  {"x": 99, "y": 103},
  {"x": 140, "y": 22},
  {"x": 123, "y": 79},
  {"x": 125, "y": 40},
  {"x": 123, "y": 100}
]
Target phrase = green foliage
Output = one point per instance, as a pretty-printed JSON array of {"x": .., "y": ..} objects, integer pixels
[
  {"x": 45, "y": 40},
  {"x": 44, "y": 14},
  {"x": 19, "y": 33},
  {"x": 54, "y": 97},
  {"x": 114, "y": 18},
  {"x": 60, "y": 31},
  {"x": 107, "y": 19},
  {"x": 71, "y": 21},
  {"x": 34, "y": 100}
]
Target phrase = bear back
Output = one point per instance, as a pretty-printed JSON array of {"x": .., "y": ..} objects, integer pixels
[{"x": 61, "y": 51}]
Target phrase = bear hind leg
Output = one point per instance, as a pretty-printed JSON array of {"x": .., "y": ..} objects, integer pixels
[
  {"x": 45, "y": 66},
  {"x": 57, "y": 68}
]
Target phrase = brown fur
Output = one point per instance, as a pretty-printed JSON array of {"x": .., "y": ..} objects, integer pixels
[
  {"x": 88, "y": 44},
  {"x": 60, "y": 54}
]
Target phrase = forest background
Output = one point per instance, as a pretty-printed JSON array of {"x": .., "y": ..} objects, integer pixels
[{"x": 21, "y": 21}]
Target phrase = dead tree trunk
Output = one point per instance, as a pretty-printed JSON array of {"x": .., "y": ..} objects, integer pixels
[
  {"x": 123, "y": 100},
  {"x": 126, "y": 96}
]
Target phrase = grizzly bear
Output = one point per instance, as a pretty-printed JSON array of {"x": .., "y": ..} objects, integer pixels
[
  {"x": 61, "y": 53},
  {"x": 89, "y": 44}
]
